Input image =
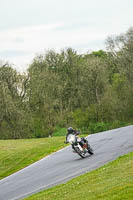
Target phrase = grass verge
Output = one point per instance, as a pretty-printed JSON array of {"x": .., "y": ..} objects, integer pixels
[
  {"x": 17, "y": 154},
  {"x": 113, "y": 181}
]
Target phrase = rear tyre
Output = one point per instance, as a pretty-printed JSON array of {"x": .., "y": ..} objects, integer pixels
[{"x": 90, "y": 150}]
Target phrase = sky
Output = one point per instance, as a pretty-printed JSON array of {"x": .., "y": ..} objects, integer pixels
[{"x": 31, "y": 27}]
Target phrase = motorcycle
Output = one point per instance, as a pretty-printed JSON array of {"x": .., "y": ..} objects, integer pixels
[{"x": 76, "y": 142}]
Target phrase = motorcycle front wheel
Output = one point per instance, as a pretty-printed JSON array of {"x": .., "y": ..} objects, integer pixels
[{"x": 81, "y": 154}]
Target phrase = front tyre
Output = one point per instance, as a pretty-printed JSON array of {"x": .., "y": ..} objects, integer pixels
[{"x": 81, "y": 153}]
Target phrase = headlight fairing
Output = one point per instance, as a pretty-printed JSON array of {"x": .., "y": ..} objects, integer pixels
[{"x": 71, "y": 139}]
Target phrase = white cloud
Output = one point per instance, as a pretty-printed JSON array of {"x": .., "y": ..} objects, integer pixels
[
  {"x": 36, "y": 39},
  {"x": 31, "y": 27},
  {"x": 31, "y": 40}
]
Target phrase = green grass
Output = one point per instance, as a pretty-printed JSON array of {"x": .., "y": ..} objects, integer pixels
[
  {"x": 113, "y": 181},
  {"x": 17, "y": 154}
]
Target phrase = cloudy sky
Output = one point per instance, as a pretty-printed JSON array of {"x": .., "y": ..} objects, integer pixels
[{"x": 30, "y": 27}]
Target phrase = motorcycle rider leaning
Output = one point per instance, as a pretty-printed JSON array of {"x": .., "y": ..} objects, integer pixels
[{"x": 70, "y": 130}]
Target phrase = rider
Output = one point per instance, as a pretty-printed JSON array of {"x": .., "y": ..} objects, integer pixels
[{"x": 70, "y": 130}]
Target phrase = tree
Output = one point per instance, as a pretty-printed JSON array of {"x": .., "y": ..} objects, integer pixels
[{"x": 13, "y": 117}]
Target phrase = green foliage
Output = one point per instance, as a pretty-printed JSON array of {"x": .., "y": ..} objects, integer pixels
[
  {"x": 39, "y": 131},
  {"x": 80, "y": 118},
  {"x": 117, "y": 124},
  {"x": 118, "y": 81},
  {"x": 59, "y": 132},
  {"x": 67, "y": 89},
  {"x": 98, "y": 127},
  {"x": 100, "y": 53}
]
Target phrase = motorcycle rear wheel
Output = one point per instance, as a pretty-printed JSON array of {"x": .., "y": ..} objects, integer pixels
[{"x": 90, "y": 151}]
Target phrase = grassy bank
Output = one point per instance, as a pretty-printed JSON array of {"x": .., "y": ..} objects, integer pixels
[
  {"x": 17, "y": 154},
  {"x": 113, "y": 181}
]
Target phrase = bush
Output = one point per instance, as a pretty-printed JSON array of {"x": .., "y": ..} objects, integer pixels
[
  {"x": 59, "y": 132},
  {"x": 118, "y": 124},
  {"x": 98, "y": 127},
  {"x": 80, "y": 119}
]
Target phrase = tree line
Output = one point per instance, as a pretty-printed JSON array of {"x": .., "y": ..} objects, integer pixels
[{"x": 92, "y": 91}]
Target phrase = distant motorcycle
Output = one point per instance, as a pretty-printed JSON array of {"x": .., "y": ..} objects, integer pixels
[{"x": 79, "y": 145}]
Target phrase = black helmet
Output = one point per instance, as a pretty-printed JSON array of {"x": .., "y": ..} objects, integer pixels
[{"x": 70, "y": 130}]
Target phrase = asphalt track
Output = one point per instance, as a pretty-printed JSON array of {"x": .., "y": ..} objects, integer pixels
[{"x": 63, "y": 165}]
